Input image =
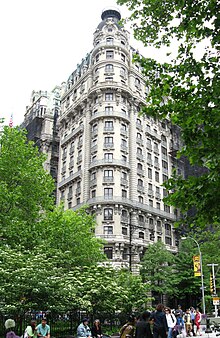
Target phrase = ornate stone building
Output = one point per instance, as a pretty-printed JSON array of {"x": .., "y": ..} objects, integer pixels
[
  {"x": 40, "y": 120},
  {"x": 111, "y": 158}
]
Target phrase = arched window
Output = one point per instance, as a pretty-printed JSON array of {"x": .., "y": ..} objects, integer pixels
[
  {"x": 108, "y": 214},
  {"x": 140, "y": 183},
  {"x": 141, "y": 235}
]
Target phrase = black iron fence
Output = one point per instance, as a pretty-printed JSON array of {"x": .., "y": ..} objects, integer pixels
[{"x": 64, "y": 325}]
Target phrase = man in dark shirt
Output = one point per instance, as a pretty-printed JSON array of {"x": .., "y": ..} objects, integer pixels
[
  {"x": 160, "y": 327},
  {"x": 143, "y": 329}
]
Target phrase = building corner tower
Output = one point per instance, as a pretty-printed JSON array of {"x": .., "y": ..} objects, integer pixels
[{"x": 111, "y": 158}]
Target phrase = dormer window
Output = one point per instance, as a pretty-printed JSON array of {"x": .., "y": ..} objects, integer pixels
[{"x": 109, "y": 41}]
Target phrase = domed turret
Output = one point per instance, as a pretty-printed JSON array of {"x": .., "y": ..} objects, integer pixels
[{"x": 110, "y": 13}]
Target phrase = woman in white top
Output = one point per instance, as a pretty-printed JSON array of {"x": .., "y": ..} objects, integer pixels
[{"x": 171, "y": 321}]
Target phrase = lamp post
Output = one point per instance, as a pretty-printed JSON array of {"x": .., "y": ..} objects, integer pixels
[{"x": 202, "y": 281}]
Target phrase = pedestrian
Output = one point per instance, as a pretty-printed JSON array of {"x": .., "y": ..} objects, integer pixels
[
  {"x": 10, "y": 325},
  {"x": 31, "y": 330},
  {"x": 143, "y": 329},
  {"x": 83, "y": 329},
  {"x": 187, "y": 321},
  {"x": 179, "y": 309},
  {"x": 198, "y": 318},
  {"x": 96, "y": 329},
  {"x": 192, "y": 315},
  {"x": 127, "y": 330},
  {"x": 180, "y": 326},
  {"x": 160, "y": 327},
  {"x": 43, "y": 329},
  {"x": 171, "y": 321}
]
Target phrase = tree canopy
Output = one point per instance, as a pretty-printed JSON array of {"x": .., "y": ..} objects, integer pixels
[
  {"x": 25, "y": 187},
  {"x": 185, "y": 90},
  {"x": 50, "y": 259}
]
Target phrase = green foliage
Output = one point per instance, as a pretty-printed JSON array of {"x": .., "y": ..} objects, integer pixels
[
  {"x": 187, "y": 284},
  {"x": 71, "y": 235},
  {"x": 25, "y": 187},
  {"x": 157, "y": 269},
  {"x": 49, "y": 258},
  {"x": 186, "y": 91}
]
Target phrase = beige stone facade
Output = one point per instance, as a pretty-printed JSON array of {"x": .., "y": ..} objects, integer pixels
[{"x": 111, "y": 158}]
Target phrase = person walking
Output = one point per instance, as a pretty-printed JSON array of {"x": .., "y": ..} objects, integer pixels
[
  {"x": 96, "y": 329},
  {"x": 171, "y": 321},
  {"x": 43, "y": 329},
  {"x": 127, "y": 330},
  {"x": 198, "y": 318},
  {"x": 188, "y": 324},
  {"x": 192, "y": 315},
  {"x": 143, "y": 329},
  {"x": 160, "y": 327},
  {"x": 83, "y": 329},
  {"x": 180, "y": 326}
]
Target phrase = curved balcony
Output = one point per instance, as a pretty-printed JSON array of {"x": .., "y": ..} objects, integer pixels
[
  {"x": 132, "y": 204},
  {"x": 109, "y": 162},
  {"x": 73, "y": 134},
  {"x": 116, "y": 113},
  {"x": 112, "y": 85},
  {"x": 70, "y": 179},
  {"x": 114, "y": 45}
]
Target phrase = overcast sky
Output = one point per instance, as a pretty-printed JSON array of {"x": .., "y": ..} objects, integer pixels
[{"x": 41, "y": 43}]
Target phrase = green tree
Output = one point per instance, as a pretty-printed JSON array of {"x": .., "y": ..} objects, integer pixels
[
  {"x": 187, "y": 285},
  {"x": 70, "y": 237},
  {"x": 25, "y": 188},
  {"x": 186, "y": 91},
  {"x": 157, "y": 269}
]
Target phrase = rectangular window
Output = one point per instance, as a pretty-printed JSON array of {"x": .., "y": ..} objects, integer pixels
[
  {"x": 109, "y": 54},
  {"x": 109, "y": 97},
  {"x": 108, "y": 173},
  {"x": 108, "y": 140},
  {"x": 124, "y": 231},
  {"x": 168, "y": 240},
  {"x": 124, "y": 158},
  {"x": 108, "y": 157},
  {"x": 108, "y": 230},
  {"x": 108, "y": 109},
  {"x": 149, "y": 173},
  {"x": 165, "y": 178},
  {"x": 93, "y": 193},
  {"x": 108, "y": 251},
  {"x": 166, "y": 208},
  {"x": 157, "y": 176},
  {"x": 124, "y": 142},
  {"x": 124, "y": 126},
  {"x": 158, "y": 205},
  {"x": 108, "y": 193},
  {"x": 109, "y": 68},
  {"x": 108, "y": 124},
  {"x": 108, "y": 214},
  {"x": 124, "y": 193},
  {"x": 164, "y": 151},
  {"x": 122, "y": 57}
]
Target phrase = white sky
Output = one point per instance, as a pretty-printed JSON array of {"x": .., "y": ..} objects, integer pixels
[{"x": 41, "y": 43}]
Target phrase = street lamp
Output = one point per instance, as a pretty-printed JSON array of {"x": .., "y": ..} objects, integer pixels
[{"x": 202, "y": 281}]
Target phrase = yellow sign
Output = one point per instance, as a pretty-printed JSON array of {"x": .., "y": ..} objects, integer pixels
[{"x": 197, "y": 266}]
